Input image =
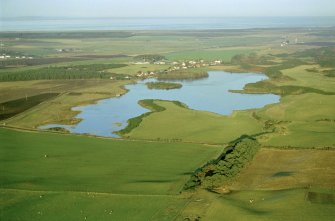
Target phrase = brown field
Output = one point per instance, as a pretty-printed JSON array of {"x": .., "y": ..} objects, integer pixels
[
  {"x": 274, "y": 169},
  {"x": 277, "y": 185},
  {"x": 58, "y": 110},
  {"x": 19, "y": 89}
]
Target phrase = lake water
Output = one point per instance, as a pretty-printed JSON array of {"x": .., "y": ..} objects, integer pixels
[
  {"x": 209, "y": 94},
  {"x": 66, "y": 24}
]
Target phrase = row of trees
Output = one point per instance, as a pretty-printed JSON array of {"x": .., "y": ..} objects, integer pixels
[
  {"x": 183, "y": 75},
  {"x": 228, "y": 165},
  {"x": 36, "y": 61},
  {"x": 69, "y": 72}
]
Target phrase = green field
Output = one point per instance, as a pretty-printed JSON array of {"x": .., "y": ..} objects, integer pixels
[
  {"x": 276, "y": 185},
  {"x": 266, "y": 206},
  {"x": 66, "y": 167},
  {"x": 179, "y": 123},
  {"x": 306, "y": 135},
  {"x": 53, "y": 205},
  {"x": 306, "y": 121},
  {"x": 309, "y": 79},
  {"x": 209, "y": 54},
  {"x": 276, "y": 169}
]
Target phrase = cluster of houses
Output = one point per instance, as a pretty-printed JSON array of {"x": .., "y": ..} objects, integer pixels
[
  {"x": 175, "y": 66},
  {"x": 147, "y": 62},
  {"x": 193, "y": 64},
  {"x": 145, "y": 74},
  {"x": 66, "y": 49},
  {"x": 284, "y": 43},
  {"x": 5, "y": 56}
]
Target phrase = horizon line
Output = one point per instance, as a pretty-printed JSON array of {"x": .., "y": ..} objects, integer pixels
[{"x": 123, "y": 17}]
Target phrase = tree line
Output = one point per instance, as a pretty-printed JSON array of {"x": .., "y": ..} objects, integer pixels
[
  {"x": 68, "y": 72},
  {"x": 228, "y": 165}
]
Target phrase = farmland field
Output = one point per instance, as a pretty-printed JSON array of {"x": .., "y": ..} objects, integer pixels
[
  {"x": 292, "y": 204},
  {"x": 55, "y": 205},
  {"x": 194, "y": 126},
  {"x": 38, "y": 164},
  {"x": 283, "y": 169},
  {"x": 277, "y": 185},
  {"x": 307, "y": 121}
]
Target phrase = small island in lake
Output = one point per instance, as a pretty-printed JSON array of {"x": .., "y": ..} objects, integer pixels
[{"x": 163, "y": 85}]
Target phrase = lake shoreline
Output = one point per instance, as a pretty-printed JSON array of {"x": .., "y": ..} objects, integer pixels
[{"x": 120, "y": 123}]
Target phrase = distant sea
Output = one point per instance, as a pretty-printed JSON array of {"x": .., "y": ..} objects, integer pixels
[{"x": 81, "y": 24}]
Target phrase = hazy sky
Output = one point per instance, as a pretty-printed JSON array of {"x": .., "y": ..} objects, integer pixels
[{"x": 165, "y": 8}]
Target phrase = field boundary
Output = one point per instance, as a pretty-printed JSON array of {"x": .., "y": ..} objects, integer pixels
[
  {"x": 32, "y": 130},
  {"x": 92, "y": 193}
]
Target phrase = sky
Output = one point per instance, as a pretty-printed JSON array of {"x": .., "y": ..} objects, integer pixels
[{"x": 165, "y": 8}]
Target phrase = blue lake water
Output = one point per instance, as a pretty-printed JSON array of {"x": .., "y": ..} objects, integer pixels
[
  {"x": 209, "y": 94},
  {"x": 66, "y": 24}
]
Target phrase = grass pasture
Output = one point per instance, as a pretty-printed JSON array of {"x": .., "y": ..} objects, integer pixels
[
  {"x": 97, "y": 165},
  {"x": 273, "y": 205},
  {"x": 274, "y": 169},
  {"x": 180, "y": 123},
  {"x": 276, "y": 185},
  {"x": 305, "y": 107},
  {"x": 29, "y": 205},
  {"x": 224, "y": 54},
  {"x": 319, "y": 135},
  {"x": 306, "y": 78},
  {"x": 307, "y": 121},
  {"x": 74, "y": 173}
]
